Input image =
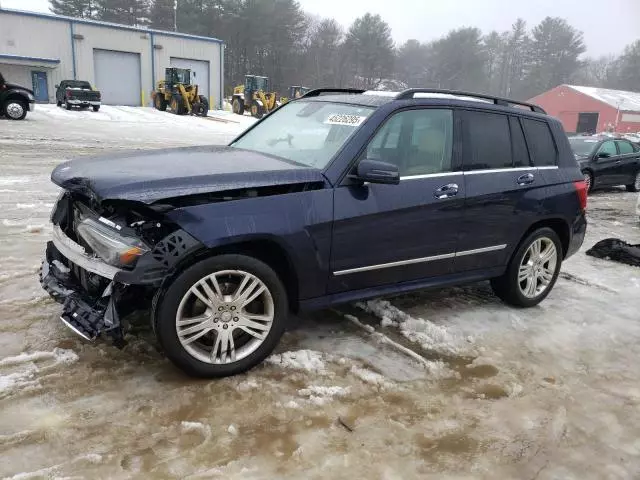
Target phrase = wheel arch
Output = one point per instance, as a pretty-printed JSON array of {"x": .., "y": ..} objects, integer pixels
[
  {"x": 266, "y": 250},
  {"x": 558, "y": 225}
]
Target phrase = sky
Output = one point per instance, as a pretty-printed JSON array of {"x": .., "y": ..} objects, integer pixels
[{"x": 608, "y": 25}]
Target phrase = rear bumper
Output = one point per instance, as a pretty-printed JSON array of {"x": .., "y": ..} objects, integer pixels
[
  {"x": 84, "y": 103},
  {"x": 578, "y": 232}
]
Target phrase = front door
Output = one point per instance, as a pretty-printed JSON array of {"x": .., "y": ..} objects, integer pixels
[
  {"x": 40, "y": 87},
  {"x": 386, "y": 234},
  {"x": 608, "y": 168},
  {"x": 629, "y": 161}
]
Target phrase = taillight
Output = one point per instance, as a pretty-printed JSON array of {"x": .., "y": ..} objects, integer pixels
[
  {"x": 68, "y": 94},
  {"x": 581, "y": 190}
]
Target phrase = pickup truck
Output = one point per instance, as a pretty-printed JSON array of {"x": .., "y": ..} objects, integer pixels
[
  {"x": 15, "y": 101},
  {"x": 77, "y": 93}
]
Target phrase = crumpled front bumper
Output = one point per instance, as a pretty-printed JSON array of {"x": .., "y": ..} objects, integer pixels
[{"x": 87, "y": 315}]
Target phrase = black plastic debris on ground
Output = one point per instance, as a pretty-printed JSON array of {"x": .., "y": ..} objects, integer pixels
[{"x": 616, "y": 250}]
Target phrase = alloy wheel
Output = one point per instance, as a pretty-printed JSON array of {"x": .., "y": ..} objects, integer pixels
[
  {"x": 225, "y": 316},
  {"x": 587, "y": 181},
  {"x": 537, "y": 267},
  {"x": 636, "y": 184}
]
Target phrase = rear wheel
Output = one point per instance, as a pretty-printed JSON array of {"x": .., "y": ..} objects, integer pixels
[
  {"x": 68, "y": 105},
  {"x": 96, "y": 108},
  {"x": 59, "y": 103},
  {"x": 238, "y": 106},
  {"x": 532, "y": 271},
  {"x": 221, "y": 316},
  {"x": 160, "y": 103},
  {"x": 177, "y": 105},
  {"x": 588, "y": 180},
  {"x": 15, "y": 109},
  {"x": 635, "y": 186},
  {"x": 201, "y": 108}
]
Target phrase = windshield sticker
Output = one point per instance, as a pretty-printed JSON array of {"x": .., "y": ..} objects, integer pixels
[{"x": 344, "y": 119}]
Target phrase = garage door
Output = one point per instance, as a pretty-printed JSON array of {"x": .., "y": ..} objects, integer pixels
[
  {"x": 117, "y": 77},
  {"x": 199, "y": 67}
]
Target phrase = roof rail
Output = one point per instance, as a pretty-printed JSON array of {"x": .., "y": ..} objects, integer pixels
[
  {"x": 506, "y": 102},
  {"x": 328, "y": 91}
]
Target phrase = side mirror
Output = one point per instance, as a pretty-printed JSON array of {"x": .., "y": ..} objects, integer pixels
[
  {"x": 603, "y": 155},
  {"x": 57, "y": 86},
  {"x": 374, "y": 171}
]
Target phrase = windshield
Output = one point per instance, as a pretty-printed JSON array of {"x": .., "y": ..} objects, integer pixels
[
  {"x": 309, "y": 133},
  {"x": 583, "y": 146},
  {"x": 78, "y": 84}
]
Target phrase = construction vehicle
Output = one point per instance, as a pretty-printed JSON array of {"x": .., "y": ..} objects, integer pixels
[
  {"x": 254, "y": 96},
  {"x": 177, "y": 93},
  {"x": 295, "y": 91}
]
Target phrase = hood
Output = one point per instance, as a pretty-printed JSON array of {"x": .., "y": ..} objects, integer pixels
[
  {"x": 155, "y": 175},
  {"x": 9, "y": 86}
]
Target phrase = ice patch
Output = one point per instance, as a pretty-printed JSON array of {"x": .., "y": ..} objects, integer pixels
[
  {"x": 14, "y": 180},
  {"x": 9, "y": 383},
  {"x": 321, "y": 395},
  {"x": 196, "y": 427},
  {"x": 309, "y": 360},
  {"x": 427, "y": 334},
  {"x": 232, "y": 430},
  {"x": 59, "y": 355},
  {"x": 371, "y": 377},
  {"x": 247, "y": 385}
]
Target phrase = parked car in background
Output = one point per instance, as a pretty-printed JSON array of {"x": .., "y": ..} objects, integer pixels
[
  {"x": 330, "y": 199},
  {"x": 77, "y": 93},
  {"x": 15, "y": 101},
  {"x": 607, "y": 161}
]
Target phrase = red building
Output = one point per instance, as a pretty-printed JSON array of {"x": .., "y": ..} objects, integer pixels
[{"x": 590, "y": 109}]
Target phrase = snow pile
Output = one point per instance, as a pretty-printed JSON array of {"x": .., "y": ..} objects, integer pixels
[
  {"x": 58, "y": 355},
  {"x": 371, "y": 377},
  {"x": 320, "y": 395},
  {"x": 18, "y": 380},
  {"x": 427, "y": 334},
  {"x": 247, "y": 385},
  {"x": 307, "y": 360},
  {"x": 196, "y": 427}
]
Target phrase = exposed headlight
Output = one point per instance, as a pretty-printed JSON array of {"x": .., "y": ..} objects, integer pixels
[{"x": 115, "y": 249}]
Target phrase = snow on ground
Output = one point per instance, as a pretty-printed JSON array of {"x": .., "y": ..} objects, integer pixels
[{"x": 548, "y": 392}]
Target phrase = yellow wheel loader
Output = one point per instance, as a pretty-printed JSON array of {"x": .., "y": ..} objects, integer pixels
[
  {"x": 254, "y": 96},
  {"x": 177, "y": 93},
  {"x": 295, "y": 91}
]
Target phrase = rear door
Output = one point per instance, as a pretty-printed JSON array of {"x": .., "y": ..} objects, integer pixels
[
  {"x": 629, "y": 161},
  {"x": 386, "y": 234},
  {"x": 501, "y": 187}
]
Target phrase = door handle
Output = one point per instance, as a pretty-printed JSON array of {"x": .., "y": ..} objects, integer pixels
[
  {"x": 526, "y": 179},
  {"x": 446, "y": 191}
]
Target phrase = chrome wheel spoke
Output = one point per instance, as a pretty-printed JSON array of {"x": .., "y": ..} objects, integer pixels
[
  {"x": 546, "y": 275},
  {"x": 248, "y": 290},
  {"x": 202, "y": 331},
  {"x": 524, "y": 273},
  {"x": 214, "y": 298},
  {"x": 537, "y": 267},
  {"x": 192, "y": 320},
  {"x": 201, "y": 296},
  {"x": 549, "y": 253},
  {"x": 532, "y": 285}
]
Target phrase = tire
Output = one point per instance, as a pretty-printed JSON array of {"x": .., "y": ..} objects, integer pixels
[
  {"x": 588, "y": 179},
  {"x": 15, "y": 109},
  {"x": 178, "y": 302},
  {"x": 96, "y": 108},
  {"x": 59, "y": 103},
  {"x": 257, "y": 111},
  {"x": 68, "y": 105},
  {"x": 512, "y": 291},
  {"x": 177, "y": 105},
  {"x": 201, "y": 108},
  {"x": 159, "y": 102},
  {"x": 635, "y": 186},
  {"x": 238, "y": 106}
]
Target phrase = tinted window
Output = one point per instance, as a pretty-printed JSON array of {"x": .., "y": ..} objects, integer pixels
[
  {"x": 624, "y": 147},
  {"x": 540, "y": 142},
  {"x": 608, "y": 147},
  {"x": 583, "y": 146},
  {"x": 520, "y": 153},
  {"x": 488, "y": 144},
  {"x": 419, "y": 142}
]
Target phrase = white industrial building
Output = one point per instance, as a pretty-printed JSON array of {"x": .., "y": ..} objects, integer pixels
[{"x": 39, "y": 50}]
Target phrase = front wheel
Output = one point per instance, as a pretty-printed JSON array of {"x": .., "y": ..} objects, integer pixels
[
  {"x": 588, "y": 180},
  {"x": 96, "y": 108},
  {"x": 257, "y": 111},
  {"x": 15, "y": 109},
  {"x": 238, "y": 106},
  {"x": 221, "y": 316},
  {"x": 68, "y": 106},
  {"x": 635, "y": 186},
  {"x": 532, "y": 271}
]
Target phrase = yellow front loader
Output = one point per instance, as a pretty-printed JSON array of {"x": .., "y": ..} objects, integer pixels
[
  {"x": 254, "y": 96},
  {"x": 177, "y": 93}
]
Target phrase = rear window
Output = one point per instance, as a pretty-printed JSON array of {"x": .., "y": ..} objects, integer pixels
[
  {"x": 624, "y": 147},
  {"x": 541, "y": 144},
  {"x": 487, "y": 144}
]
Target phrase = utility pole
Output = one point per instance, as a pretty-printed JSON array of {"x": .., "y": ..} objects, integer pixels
[{"x": 175, "y": 15}]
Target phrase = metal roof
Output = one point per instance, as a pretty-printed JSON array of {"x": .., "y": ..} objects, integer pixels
[
  {"x": 619, "y": 99},
  {"x": 118, "y": 26}
]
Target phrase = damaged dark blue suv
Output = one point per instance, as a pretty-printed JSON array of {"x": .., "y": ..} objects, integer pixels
[{"x": 334, "y": 197}]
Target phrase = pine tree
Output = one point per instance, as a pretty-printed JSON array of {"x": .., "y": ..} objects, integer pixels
[
  {"x": 162, "y": 14},
  {"x": 127, "y": 12},
  {"x": 73, "y": 8}
]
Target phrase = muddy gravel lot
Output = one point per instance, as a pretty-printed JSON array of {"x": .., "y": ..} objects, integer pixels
[{"x": 440, "y": 384}]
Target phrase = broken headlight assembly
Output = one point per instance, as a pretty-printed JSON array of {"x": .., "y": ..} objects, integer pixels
[{"x": 114, "y": 248}]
